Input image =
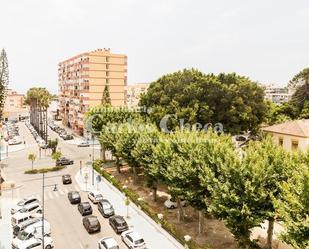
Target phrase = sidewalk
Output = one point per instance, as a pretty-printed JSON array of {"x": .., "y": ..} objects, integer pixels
[
  {"x": 5, "y": 223},
  {"x": 155, "y": 236}
]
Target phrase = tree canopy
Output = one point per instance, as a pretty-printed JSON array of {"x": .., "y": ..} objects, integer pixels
[
  {"x": 4, "y": 79},
  {"x": 230, "y": 99}
]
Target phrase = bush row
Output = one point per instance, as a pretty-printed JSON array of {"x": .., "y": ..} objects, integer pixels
[
  {"x": 44, "y": 170},
  {"x": 135, "y": 198}
]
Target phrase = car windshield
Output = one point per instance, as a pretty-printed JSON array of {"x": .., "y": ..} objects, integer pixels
[
  {"x": 139, "y": 241},
  {"x": 23, "y": 210},
  {"x": 93, "y": 222},
  {"x": 86, "y": 205},
  {"x": 21, "y": 203},
  {"x": 106, "y": 205},
  {"x": 99, "y": 196},
  {"x": 24, "y": 235},
  {"x": 75, "y": 195}
]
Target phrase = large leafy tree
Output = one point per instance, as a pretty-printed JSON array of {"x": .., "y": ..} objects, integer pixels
[
  {"x": 294, "y": 208},
  {"x": 106, "y": 99},
  {"x": 4, "y": 79},
  {"x": 232, "y": 100}
]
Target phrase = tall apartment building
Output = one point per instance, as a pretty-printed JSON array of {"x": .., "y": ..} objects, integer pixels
[
  {"x": 278, "y": 95},
  {"x": 82, "y": 80},
  {"x": 133, "y": 93}
]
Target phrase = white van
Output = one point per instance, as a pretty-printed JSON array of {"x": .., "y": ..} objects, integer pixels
[
  {"x": 33, "y": 208},
  {"x": 19, "y": 218}
]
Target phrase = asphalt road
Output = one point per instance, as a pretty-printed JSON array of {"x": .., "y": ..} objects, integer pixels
[{"x": 66, "y": 222}]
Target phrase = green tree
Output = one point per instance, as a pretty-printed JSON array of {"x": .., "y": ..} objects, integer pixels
[
  {"x": 32, "y": 158},
  {"x": 294, "y": 208},
  {"x": 143, "y": 154},
  {"x": 52, "y": 144},
  {"x": 4, "y": 79},
  {"x": 56, "y": 156},
  {"x": 234, "y": 101},
  {"x": 106, "y": 99}
]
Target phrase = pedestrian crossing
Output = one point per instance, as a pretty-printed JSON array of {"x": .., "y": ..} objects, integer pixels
[{"x": 50, "y": 194}]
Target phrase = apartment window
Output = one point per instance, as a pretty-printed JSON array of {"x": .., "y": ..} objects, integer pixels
[
  {"x": 294, "y": 145},
  {"x": 280, "y": 141}
]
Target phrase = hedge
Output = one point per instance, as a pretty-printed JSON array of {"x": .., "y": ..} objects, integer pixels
[
  {"x": 44, "y": 170},
  {"x": 135, "y": 198}
]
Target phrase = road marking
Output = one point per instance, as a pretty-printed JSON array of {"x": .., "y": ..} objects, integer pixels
[
  {"x": 50, "y": 195},
  {"x": 61, "y": 192}
]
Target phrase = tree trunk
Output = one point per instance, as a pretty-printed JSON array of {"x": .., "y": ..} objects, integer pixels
[
  {"x": 154, "y": 193},
  {"x": 200, "y": 222},
  {"x": 270, "y": 231},
  {"x": 180, "y": 210},
  {"x": 118, "y": 165},
  {"x": 103, "y": 153},
  {"x": 134, "y": 174},
  {"x": 32, "y": 165}
]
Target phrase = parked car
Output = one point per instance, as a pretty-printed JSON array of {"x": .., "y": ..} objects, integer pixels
[
  {"x": 34, "y": 230},
  {"x": 34, "y": 243},
  {"x": 133, "y": 239},
  {"x": 23, "y": 203},
  {"x": 67, "y": 137},
  {"x": 83, "y": 144},
  {"x": 74, "y": 197},
  {"x": 18, "y": 218},
  {"x": 66, "y": 179},
  {"x": 172, "y": 203},
  {"x": 64, "y": 161},
  {"x": 95, "y": 196},
  {"x": 118, "y": 223},
  {"x": 14, "y": 142},
  {"x": 105, "y": 208},
  {"x": 91, "y": 224},
  {"x": 32, "y": 208},
  {"x": 85, "y": 208},
  {"x": 108, "y": 243},
  {"x": 23, "y": 225}
]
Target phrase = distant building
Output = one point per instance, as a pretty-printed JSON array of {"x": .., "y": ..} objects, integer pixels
[
  {"x": 278, "y": 95},
  {"x": 82, "y": 80},
  {"x": 14, "y": 107},
  {"x": 291, "y": 135},
  {"x": 133, "y": 93}
]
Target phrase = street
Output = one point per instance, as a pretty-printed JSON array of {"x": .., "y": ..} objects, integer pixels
[{"x": 66, "y": 222}]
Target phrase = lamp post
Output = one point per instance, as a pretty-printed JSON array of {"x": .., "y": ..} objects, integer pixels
[
  {"x": 43, "y": 206},
  {"x": 90, "y": 163}
]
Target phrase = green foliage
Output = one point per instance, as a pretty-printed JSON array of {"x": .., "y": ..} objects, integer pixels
[
  {"x": 44, "y": 170},
  {"x": 135, "y": 198},
  {"x": 32, "y": 158},
  {"x": 38, "y": 96},
  {"x": 232, "y": 100},
  {"x": 294, "y": 207},
  {"x": 106, "y": 99},
  {"x": 52, "y": 144},
  {"x": 4, "y": 79},
  {"x": 56, "y": 155}
]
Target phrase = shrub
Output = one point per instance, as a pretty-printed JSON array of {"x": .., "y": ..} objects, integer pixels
[{"x": 44, "y": 170}]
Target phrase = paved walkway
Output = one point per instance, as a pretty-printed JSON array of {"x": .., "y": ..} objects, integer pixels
[
  {"x": 154, "y": 235},
  {"x": 5, "y": 223}
]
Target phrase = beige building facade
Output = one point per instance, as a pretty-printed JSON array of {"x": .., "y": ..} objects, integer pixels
[
  {"x": 291, "y": 135},
  {"x": 82, "y": 80},
  {"x": 14, "y": 107},
  {"x": 133, "y": 93}
]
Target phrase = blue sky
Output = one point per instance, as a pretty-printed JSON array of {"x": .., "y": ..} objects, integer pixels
[{"x": 267, "y": 41}]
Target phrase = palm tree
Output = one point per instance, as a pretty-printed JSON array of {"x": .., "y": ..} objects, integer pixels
[
  {"x": 31, "y": 157},
  {"x": 56, "y": 156}
]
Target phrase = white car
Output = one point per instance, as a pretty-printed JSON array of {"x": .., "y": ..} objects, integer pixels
[
  {"x": 33, "y": 243},
  {"x": 83, "y": 144},
  {"x": 133, "y": 239},
  {"x": 172, "y": 203},
  {"x": 95, "y": 196},
  {"x": 108, "y": 243},
  {"x": 32, "y": 208},
  {"x": 23, "y": 203}
]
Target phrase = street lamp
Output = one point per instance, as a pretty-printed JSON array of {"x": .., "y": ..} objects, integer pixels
[{"x": 43, "y": 206}]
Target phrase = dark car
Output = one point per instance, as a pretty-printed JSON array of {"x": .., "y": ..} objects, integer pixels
[
  {"x": 105, "y": 208},
  {"x": 92, "y": 224},
  {"x": 67, "y": 137},
  {"x": 66, "y": 179},
  {"x": 74, "y": 197},
  {"x": 64, "y": 161},
  {"x": 118, "y": 223},
  {"x": 85, "y": 208}
]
